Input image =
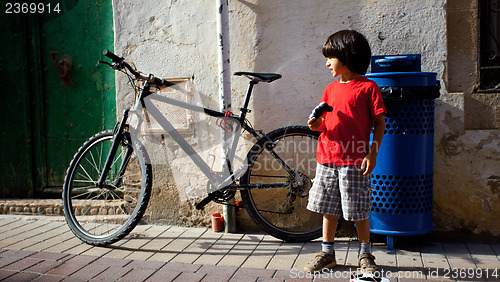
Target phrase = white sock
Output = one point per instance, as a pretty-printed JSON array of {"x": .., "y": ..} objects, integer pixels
[
  {"x": 327, "y": 247},
  {"x": 365, "y": 248}
]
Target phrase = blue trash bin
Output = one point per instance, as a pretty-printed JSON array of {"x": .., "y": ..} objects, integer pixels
[{"x": 403, "y": 177}]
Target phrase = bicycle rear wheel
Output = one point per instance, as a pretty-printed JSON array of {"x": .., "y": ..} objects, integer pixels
[
  {"x": 281, "y": 212},
  {"x": 101, "y": 216}
]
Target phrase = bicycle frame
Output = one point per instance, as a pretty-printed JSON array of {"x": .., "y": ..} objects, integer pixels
[
  {"x": 144, "y": 101},
  {"x": 214, "y": 179}
]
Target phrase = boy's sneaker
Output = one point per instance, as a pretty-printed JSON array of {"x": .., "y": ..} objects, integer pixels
[
  {"x": 321, "y": 260},
  {"x": 367, "y": 263}
]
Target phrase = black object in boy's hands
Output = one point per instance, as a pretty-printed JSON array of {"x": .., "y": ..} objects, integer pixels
[{"x": 322, "y": 108}]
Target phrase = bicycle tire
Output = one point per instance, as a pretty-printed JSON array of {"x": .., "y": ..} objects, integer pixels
[
  {"x": 102, "y": 216},
  {"x": 281, "y": 212}
]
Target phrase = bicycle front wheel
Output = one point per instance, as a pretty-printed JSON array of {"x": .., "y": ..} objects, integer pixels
[
  {"x": 281, "y": 211},
  {"x": 104, "y": 215}
]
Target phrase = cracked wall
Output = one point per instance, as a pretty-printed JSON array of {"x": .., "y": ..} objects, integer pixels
[{"x": 466, "y": 172}]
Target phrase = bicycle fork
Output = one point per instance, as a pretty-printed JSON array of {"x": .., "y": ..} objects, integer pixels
[{"x": 117, "y": 139}]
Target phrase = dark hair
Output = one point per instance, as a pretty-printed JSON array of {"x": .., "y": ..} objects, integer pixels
[{"x": 351, "y": 48}]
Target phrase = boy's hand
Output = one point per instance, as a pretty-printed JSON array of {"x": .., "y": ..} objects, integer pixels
[
  {"x": 315, "y": 123},
  {"x": 369, "y": 162}
]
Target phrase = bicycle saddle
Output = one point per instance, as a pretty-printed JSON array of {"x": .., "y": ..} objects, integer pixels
[{"x": 266, "y": 77}]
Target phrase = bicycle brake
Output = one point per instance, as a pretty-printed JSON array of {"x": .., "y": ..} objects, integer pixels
[
  {"x": 103, "y": 62},
  {"x": 272, "y": 144}
]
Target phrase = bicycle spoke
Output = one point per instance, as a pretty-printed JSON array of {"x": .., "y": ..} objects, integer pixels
[
  {"x": 122, "y": 210},
  {"x": 97, "y": 167},
  {"x": 114, "y": 195},
  {"x": 95, "y": 197},
  {"x": 117, "y": 158},
  {"x": 88, "y": 176},
  {"x": 93, "y": 164},
  {"x": 85, "y": 181},
  {"x": 80, "y": 195}
]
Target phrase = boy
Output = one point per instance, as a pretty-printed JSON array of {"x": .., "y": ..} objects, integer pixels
[{"x": 344, "y": 155}]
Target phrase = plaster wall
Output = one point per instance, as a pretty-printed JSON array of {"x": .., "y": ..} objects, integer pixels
[{"x": 178, "y": 39}]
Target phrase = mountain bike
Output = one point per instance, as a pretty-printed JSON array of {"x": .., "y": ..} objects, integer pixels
[{"x": 109, "y": 180}]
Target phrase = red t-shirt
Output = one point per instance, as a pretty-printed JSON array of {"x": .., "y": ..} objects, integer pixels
[{"x": 346, "y": 131}]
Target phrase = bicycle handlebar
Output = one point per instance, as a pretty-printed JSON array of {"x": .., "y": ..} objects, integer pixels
[
  {"x": 112, "y": 56},
  {"x": 120, "y": 63}
]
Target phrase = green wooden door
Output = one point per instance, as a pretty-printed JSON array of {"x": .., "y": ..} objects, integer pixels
[
  {"x": 69, "y": 97},
  {"x": 15, "y": 135},
  {"x": 81, "y": 101}
]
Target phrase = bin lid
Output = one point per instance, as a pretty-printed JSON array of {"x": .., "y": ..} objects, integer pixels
[
  {"x": 389, "y": 79},
  {"x": 400, "y": 77},
  {"x": 396, "y": 63}
]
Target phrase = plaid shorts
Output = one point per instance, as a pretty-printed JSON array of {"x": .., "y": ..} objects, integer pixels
[{"x": 341, "y": 190}]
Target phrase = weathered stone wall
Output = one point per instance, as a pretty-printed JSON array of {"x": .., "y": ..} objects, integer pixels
[
  {"x": 467, "y": 145},
  {"x": 178, "y": 39}
]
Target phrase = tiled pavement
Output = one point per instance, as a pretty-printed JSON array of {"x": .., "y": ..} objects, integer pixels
[{"x": 44, "y": 249}]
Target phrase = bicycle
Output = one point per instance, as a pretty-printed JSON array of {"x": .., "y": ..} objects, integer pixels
[{"x": 108, "y": 182}]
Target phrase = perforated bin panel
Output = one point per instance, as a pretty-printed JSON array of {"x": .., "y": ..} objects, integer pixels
[
  {"x": 410, "y": 117},
  {"x": 402, "y": 194},
  {"x": 402, "y": 180}
]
